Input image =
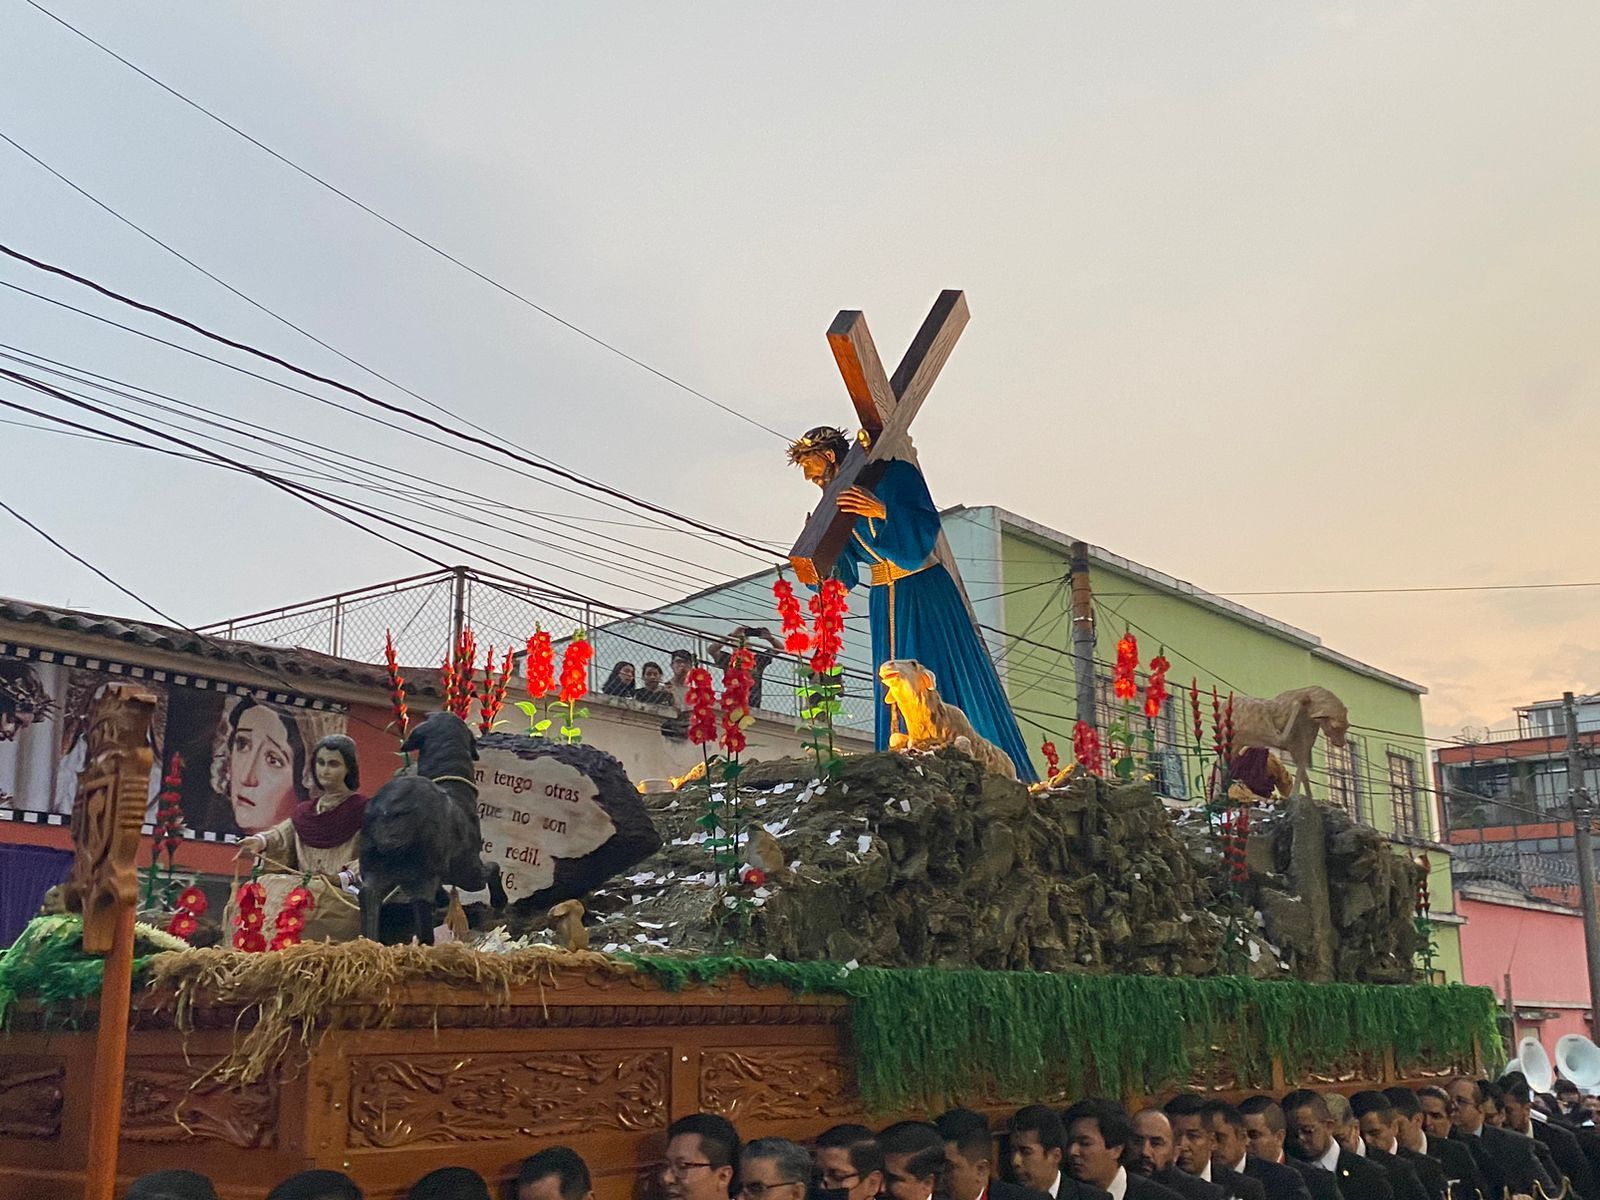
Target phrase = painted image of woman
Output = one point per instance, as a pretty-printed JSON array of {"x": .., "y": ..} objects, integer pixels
[{"x": 258, "y": 768}]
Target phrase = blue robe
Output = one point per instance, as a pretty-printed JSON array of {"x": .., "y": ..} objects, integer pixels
[{"x": 929, "y": 621}]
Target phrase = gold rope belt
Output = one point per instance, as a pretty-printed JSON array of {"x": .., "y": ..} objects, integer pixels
[{"x": 885, "y": 573}]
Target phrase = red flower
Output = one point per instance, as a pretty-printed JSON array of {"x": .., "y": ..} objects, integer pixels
[
  {"x": 575, "y": 669},
  {"x": 252, "y": 896},
  {"x": 458, "y": 674},
  {"x": 397, "y": 687},
  {"x": 1052, "y": 760},
  {"x": 753, "y": 877},
  {"x": 299, "y": 899},
  {"x": 1155, "y": 691},
  {"x": 796, "y": 639},
  {"x": 1086, "y": 748},
  {"x": 289, "y": 921},
  {"x": 183, "y": 924},
  {"x": 702, "y": 703},
  {"x": 737, "y": 681},
  {"x": 1123, "y": 684},
  {"x": 540, "y": 667},
  {"x": 192, "y": 900},
  {"x": 249, "y": 941},
  {"x": 250, "y": 919},
  {"x": 285, "y": 939},
  {"x": 494, "y": 690},
  {"x": 829, "y": 606}
]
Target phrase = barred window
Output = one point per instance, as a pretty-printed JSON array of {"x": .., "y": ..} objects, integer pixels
[
  {"x": 1344, "y": 784},
  {"x": 1403, "y": 792}
]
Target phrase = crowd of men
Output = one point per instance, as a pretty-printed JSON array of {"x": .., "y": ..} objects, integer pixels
[{"x": 1475, "y": 1140}]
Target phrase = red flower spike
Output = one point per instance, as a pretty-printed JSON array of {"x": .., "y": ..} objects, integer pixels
[
  {"x": 1155, "y": 691},
  {"x": 829, "y": 605},
  {"x": 702, "y": 702},
  {"x": 494, "y": 690},
  {"x": 737, "y": 682},
  {"x": 1086, "y": 748},
  {"x": 796, "y": 638},
  {"x": 575, "y": 669},
  {"x": 1227, "y": 728},
  {"x": 397, "y": 687},
  {"x": 540, "y": 666},
  {"x": 1124, "y": 684},
  {"x": 1052, "y": 760}
]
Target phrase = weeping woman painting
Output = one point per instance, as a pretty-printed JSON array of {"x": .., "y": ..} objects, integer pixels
[{"x": 916, "y": 608}]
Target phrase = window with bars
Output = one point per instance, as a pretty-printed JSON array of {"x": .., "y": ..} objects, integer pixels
[
  {"x": 1344, "y": 779},
  {"x": 1403, "y": 792},
  {"x": 1167, "y": 763}
]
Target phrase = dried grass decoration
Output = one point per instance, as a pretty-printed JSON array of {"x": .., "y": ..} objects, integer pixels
[{"x": 287, "y": 997}]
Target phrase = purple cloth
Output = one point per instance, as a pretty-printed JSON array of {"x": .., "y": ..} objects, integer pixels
[{"x": 26, "y": 874}]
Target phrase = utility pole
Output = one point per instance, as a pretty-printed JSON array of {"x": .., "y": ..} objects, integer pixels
[
  {"x": 1582, "y": 815},
  {"x": 458, "y": 608},
  {"x": 1082, "y": 631}
]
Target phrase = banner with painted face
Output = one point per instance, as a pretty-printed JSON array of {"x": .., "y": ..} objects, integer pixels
[{"x": 247, "y": 761}]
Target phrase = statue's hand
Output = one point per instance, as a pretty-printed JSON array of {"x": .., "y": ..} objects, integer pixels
[
  {"x": 863, "y": 503},
  {"x": 251, "y": 845}
]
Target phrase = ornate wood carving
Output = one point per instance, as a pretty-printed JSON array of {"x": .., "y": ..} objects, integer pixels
[
  {"x": 113, "y": 793},
  {"x": 162, "y": 1103},
  {"x": 777, "y": 1084},
  {"x": 31, "y": 1095},
  {"x": 482, "y": 1097}
]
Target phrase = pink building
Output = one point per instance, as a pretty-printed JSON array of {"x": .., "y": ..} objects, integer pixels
[{"x": 1533, "y": 947}]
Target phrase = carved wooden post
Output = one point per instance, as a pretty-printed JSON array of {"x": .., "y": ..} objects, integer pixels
[{"x": 113, "y": 792}]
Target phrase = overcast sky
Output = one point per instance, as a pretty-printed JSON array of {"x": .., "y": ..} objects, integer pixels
[{"x": 1265, "y": 295}]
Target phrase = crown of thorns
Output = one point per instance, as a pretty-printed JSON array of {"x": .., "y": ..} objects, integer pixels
[{"x": 816, "y": 441}]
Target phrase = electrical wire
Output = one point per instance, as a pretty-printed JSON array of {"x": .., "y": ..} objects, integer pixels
[
  {"x": 387, "y": 406},
  {"x": 421, "y": 241}
]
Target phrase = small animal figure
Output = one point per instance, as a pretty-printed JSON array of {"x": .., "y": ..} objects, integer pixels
[
  {"x": 569, "y": 928},
  {"x": 764, "y": 851},
  {"x": 1290, "y": 721},
  {"x": 930, "y": 722},
  {"x": 420, "y": 832}
]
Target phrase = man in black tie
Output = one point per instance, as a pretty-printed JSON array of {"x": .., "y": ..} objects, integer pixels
[
  {"x": 1284, "y": 1178},
  {"x": 1229, "y": 1148},
  {"x": 1505, "y": 1161},
  {"x": 1098, "y": 1134},
  {"x": 1311, "y": 1140},
  {"x": 1453, "y": 1159},
  {"x": 1414, "y": 1175},
  {"x": 1153, "y": 1154},
  {"x": 1566, "y": 1155}
]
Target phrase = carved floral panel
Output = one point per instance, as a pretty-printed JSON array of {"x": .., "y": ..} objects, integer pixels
[
  {"x": 163, "y": 1102},
  {"x": 777, "y": 1084},
  {"x": 481, "y": 1097},
  {"x": 32, "y": 1091}
]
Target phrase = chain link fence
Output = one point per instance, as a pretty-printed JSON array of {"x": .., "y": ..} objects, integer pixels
[{"x": 424, "y": 613}]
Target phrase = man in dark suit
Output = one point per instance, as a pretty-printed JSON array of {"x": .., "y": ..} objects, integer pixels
[
  {"x": 1506, "y": 1161},
  {"x": 1098, "y": 1135},
  {"x": 1037, "y": 1143},
  {"x": 1196, "y": 1147},
  {"x": 969, "y": 1151},
  {"x": 1311, "y": 1140},
  {"x": 1565, "y": 1153},
  {"x": 1264, "y": 1130},
  {"x": 1229, "y": 1149},
  {"x": 1414, "y": 1175},
  {"x": 1454, "y": 1160},
  {"x": 1153, "y": 1153}
]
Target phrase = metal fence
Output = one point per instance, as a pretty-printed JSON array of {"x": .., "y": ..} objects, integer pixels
[{"x": 425, "y": 614}]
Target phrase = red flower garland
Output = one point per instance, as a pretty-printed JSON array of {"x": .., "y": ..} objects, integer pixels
[
  {"x": 1235, "y": 839},
  {"x": 737, "y": 681},
  {"x": 397, "y": 686},
  {"x": 1194, "y": 705},
  {"x": 291, "y": 920},
  {"x": 796, "y": 638},
  {"x": 249, "y": 917},
  {"x": 1086, "y": 748},
  {"x": 1155, "y": 691},
  {"x": 1227, "y": 729},
  {"x": 829, "y": 606},
  {"x": 1216, "y": 725},
  {"x": 167, "y": 832},
  {"x": 540, "y": 667},
  {"x": 185, "y": 922},
  {"x": 575, "y": 669},
  {"x": 494, "y": 690},
  {"x": 1052, "y": 760},
  {"x": 1123, "y": 684},
  {"x": 702, "y": 703}
]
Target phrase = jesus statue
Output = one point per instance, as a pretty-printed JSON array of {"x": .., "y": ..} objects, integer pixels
[{"x": 916, "y": 610}]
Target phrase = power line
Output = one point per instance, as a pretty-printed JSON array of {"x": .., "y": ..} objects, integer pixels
[
  {"x": 419, "y": 239},
  {"x": 387, "y": 406},
  {"x": 1370, "y": 591}
]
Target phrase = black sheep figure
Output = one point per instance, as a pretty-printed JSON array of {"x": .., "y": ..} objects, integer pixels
[{"x": 420, "y": 833}]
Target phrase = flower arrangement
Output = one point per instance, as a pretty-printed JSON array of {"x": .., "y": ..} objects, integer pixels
[
  {"x": 575, "y": 685},
  {"x": 1124, "y": 684},
  {"x": 185, "y": 922},
  {"x": 249, "y": 918},
  {"x": 1155, "y": 690},
  {"x": 796, "y": 637},
  {"x": 1052, "y": 760},
  {"x": 1086, "y": 748},
  {"x": 495, "y": 687},
  {"x": 458, "y": 674},
  {"x": 820, "y": 690},
  {"x": 291, "y": 920},
  {"x": 397, "y": 688}
]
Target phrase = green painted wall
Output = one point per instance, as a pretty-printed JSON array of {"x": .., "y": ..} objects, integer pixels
[{"x": 1230, "y": 652}]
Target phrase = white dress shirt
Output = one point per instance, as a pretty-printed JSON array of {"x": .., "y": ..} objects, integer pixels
[
  {"x": 1330, "y": 1160},
  {"x": 1056, "y": 1186},
  {"x": 1118, "y": 1187},
  {"x": 1205, "y": 1172},
  {"x": 1424, "y": 1148},
  {"x": 1238, "y": 1167}
]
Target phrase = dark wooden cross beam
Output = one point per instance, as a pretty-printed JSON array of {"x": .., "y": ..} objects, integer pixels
[{"x": 885, "y": 409}]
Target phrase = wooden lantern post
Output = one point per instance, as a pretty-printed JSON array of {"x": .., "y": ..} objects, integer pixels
[{"x": 113, "y": 793}]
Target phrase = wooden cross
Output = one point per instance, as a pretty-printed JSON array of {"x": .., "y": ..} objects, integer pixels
[{"x": 885, "y": 408}]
